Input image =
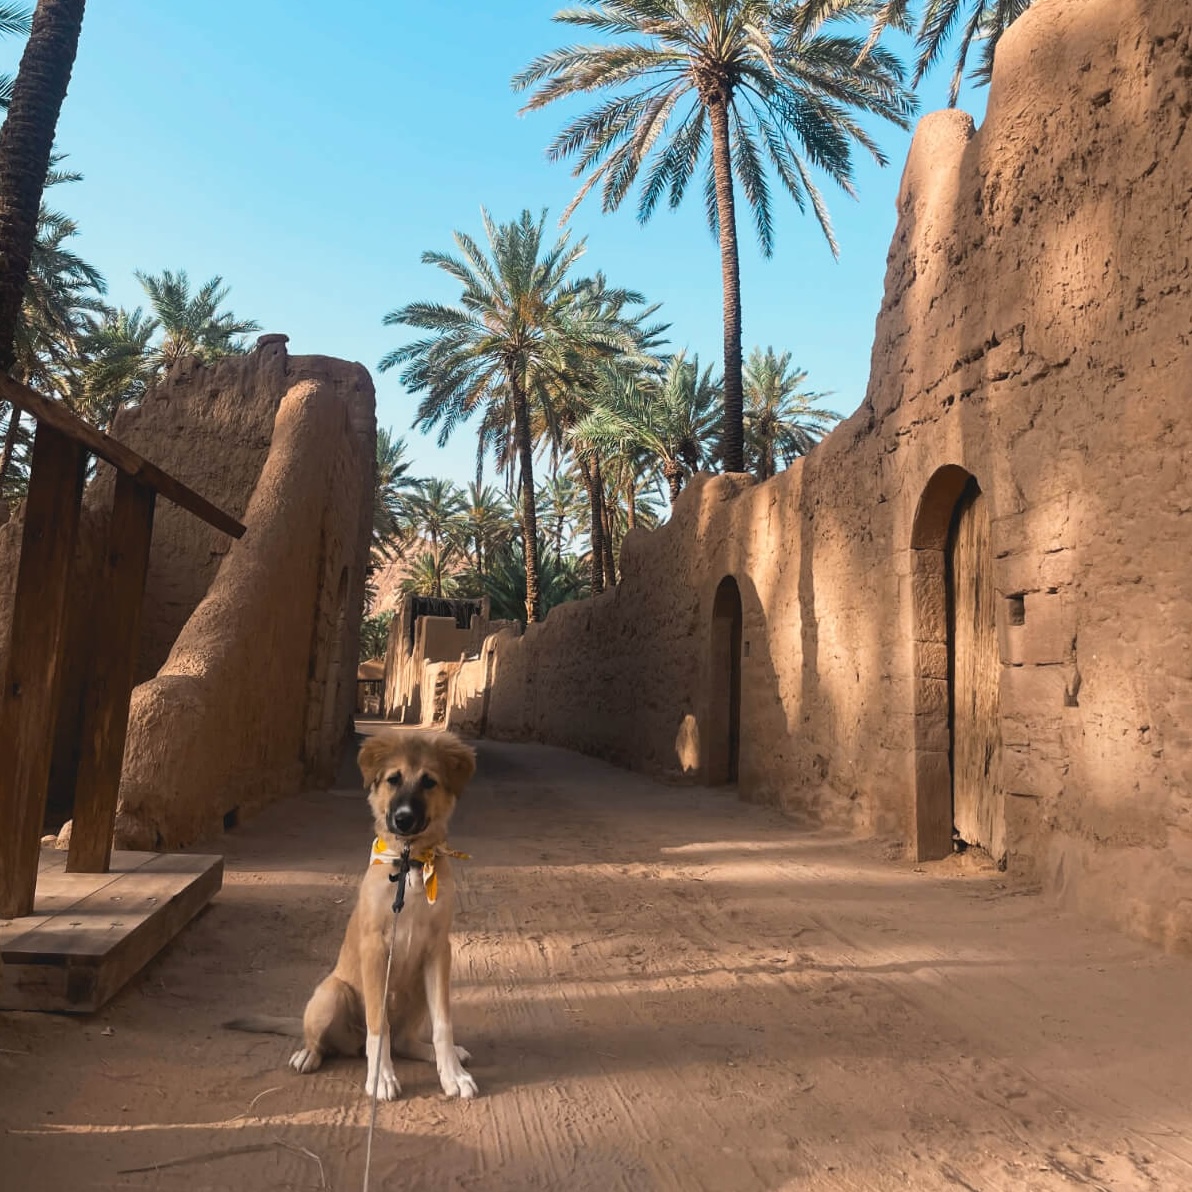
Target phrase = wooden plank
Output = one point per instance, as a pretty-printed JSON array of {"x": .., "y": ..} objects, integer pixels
[
  {"x": 108, "y": 686},
  {"x": 124, "y": 459},
  {"x": 178, "y": 907},
  {"x": 29, "y": 698},
  {"x": 57, "y": 890},
  {"x": 84, "y": 955}
]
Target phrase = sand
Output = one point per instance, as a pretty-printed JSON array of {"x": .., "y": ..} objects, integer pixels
[{"x": 663, "y": 988}]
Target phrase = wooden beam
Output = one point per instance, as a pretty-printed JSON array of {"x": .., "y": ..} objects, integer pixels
[
  {"x": 114, "y": 634},
  {"x": 122, "y": 458},
  {"x": 29, "y": 698}
]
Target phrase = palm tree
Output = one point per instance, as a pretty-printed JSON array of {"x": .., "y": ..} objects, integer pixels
[
  {"x": 485, "y": 525},
  {"x": 374, "y": 635},
  {"x": 62, "y": 293},
  {"x": 984, "y": 21},
  {"x": 670, "y": 420},
  {"x": 26, "y": 145},
  {"x": 14, "y": 22},
  {"x": 193, "y": 324},
  {"x": 435, "y": 513},
  {"x": 393, "y": 498},
  {"x": 781, "y": 421},
  {"x": 426, "y": 577},
  {"x": 505, "y": 585},
  {"x": 561, "y": 501},
  {"x": 507, "y": 347},
  {"x": 118, "y": 363},
  {"x": 739, "y": 85}
]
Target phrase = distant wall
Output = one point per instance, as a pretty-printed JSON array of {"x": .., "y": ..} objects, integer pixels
[{"x": 1036, "y": 334}]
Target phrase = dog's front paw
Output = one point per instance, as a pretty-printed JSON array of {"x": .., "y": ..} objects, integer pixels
[
  {"x": 458, "y": 1084},
  {"x": 387, "y": 1086},
  {"x": 305, "y": 1060}
]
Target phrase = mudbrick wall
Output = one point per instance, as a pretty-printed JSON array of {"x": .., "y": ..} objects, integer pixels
[
  {"x": 1036, "y": 335},
  {"x": 248, "y": 647}
]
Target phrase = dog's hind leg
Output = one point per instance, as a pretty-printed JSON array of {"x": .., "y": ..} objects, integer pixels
[
  {"x": 329, "y": 1025},
  {"x": 410, "y": 1024}
]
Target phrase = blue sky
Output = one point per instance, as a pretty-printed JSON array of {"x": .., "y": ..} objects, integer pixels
[{"x": 310, "y": 154}]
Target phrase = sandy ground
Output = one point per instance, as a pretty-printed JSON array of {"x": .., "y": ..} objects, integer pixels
[{"x": 663, "y": 989}]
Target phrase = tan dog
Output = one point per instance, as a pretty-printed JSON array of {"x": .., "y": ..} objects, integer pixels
[{"x": 413, "y": 779}]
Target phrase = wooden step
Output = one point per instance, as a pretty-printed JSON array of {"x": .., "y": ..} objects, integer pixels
[{"x": 89, "y": 933}]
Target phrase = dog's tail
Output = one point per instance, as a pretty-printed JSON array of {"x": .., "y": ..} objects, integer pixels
[{"x": 267, "y": 1024}]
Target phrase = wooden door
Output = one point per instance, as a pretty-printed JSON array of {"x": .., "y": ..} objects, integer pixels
[{"x": 974, "y": 671}]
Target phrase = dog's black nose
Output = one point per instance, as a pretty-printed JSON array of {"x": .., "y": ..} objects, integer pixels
[{"x": 406, "y": 819}]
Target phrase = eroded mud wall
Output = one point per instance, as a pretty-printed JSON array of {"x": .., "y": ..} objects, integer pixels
[
  {"x": 248, "y": 648},
  {"x": 1036, "y": 334},
  {"x": 256, "y": 693}
]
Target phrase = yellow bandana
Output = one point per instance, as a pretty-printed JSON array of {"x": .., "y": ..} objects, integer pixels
[{"x": 382, "y": 854}]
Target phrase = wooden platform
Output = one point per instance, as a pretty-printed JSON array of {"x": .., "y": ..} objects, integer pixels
[{"x": 90, "y": 932}]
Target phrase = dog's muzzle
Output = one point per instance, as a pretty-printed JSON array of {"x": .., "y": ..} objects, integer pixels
[{"x": 406, "y": 815}]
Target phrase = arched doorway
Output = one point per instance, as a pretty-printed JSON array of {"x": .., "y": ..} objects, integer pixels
[
  {"x": 724, "y": 687},
  {"x": 958, "y": 795}
]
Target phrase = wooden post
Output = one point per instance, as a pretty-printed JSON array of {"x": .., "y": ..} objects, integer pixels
[
  {"x": 29, "y": 698},
  {"x": 108, "y": 688}
]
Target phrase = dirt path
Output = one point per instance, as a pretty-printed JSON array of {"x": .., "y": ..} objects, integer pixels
[{"x": 663, "y": 989}]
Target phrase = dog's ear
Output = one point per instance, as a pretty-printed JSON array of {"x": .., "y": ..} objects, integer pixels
[
  {"x": 458, "y": 761},
  {"x": 372, "y": 756}
]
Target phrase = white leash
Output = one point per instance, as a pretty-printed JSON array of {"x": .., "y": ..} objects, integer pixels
[{"x": 398, "y": 903}]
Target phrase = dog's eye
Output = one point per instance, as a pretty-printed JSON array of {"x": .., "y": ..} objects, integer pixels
[
  {"x": 429, "y": 780},
  {"x": 394, "y": 779}
]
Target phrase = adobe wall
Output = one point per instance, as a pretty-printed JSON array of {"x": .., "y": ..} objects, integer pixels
[
  {"x": 1036, "y": 334},
  {"x": 256, "y": 694},
  {"x": 248, "y": 648}
]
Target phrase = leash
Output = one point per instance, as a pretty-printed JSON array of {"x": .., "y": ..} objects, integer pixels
[{"x": 403, "y": 872}]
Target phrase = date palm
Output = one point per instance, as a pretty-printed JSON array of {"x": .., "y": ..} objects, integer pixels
[
  {"x": 63, "y": 293},
  {"x": 505, "y": 349},
  {"x": 393, "y": 498},
  {"x": 484, "y": 526},
  {"x": 435, "y": 514},
  {"x": 192, "y": 324},
  {"x": 425, "y": 578},
  {"x": 671, "y": 420},
  {"x": 562, "y": 501},
  {"x": 26, "y": 146},
  {"x": 983, "y": 20},
  {"x": 14, "y": 22},
  {"x": 118, "y": 368},
  {"x": 782, "y": 421},
  {"x": 744, "y": 90}
]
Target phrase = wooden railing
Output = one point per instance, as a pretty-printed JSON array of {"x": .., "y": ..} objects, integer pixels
[{"x": 29, "y": 700}]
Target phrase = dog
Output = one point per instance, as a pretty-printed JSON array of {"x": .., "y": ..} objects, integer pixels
[{"x": 413, "y": 780}]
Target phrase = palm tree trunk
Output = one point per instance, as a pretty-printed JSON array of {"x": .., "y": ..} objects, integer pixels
[
  {"x": 674, "y": 478},
  {"x": 10, "y": 442},
  {"x": 730, "y": 270},
  {"x": 595, "y": 522},
  {"x": 631, "y": 503},
  {"x": 606, "y": 528},
  {"x": 525, "y": 451},
  {"x": 25, "y": 143}
]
